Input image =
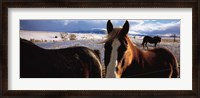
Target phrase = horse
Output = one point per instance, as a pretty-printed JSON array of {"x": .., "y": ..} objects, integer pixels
[
  {"x": 72, "y": 62},
  {"x": 128, "y": 61},
  {"x": 152, "y": 40}
]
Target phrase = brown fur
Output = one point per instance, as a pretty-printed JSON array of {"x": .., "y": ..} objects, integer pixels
[{"x": 133, "y": 62}]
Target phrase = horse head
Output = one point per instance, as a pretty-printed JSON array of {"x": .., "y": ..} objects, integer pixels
[
  {"x": 116, "y": 47},
  {"x": 158, "y": 39}
]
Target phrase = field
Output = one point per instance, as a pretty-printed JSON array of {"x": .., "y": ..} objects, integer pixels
[{"x": 56, "y": 41}]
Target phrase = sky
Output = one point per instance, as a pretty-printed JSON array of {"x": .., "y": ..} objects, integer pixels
[{"x": 146, "y": 27}]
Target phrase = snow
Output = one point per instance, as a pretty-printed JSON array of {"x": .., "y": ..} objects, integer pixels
[
  {"x": 56, "y": 36},
  {"x": 87, "y": 40},
  {"x": 39, "y": 35}
]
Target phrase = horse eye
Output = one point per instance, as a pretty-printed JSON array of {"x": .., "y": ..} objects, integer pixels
[
  {"x": 124, "y": 47},
  {"x": 125, "y": 42},
  {"x": 121, "y": 51}
]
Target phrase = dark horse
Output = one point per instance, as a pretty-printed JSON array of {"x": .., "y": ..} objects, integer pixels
[
  {"x": 73, "y": 62},
  {"x": 128, "y": 60},
  {"x": 151, "y": 40}
]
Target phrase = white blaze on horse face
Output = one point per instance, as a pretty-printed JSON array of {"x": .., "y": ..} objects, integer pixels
[
  {"x": 116, "y": 73},
  {"x": 113, "y": 59}
]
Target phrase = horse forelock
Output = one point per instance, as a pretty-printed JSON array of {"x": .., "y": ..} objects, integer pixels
[{"x": 112, "y": 35}]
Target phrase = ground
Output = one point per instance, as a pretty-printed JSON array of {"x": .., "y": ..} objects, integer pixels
[{"x": 54, "y": 40}]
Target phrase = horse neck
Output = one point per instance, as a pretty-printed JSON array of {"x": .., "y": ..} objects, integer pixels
[
  {"x": 134, "y": 50},
  {"x": 131, "y": 45}
]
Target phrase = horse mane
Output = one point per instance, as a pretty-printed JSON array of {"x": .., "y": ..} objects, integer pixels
[
  {"x": 157, "y": 38},
  {"x": 97, "y": 53}
]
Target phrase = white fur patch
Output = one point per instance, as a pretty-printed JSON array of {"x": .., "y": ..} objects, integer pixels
[
  {"x": 116, "y": 75},
  {"x": 113, "y": 59}
]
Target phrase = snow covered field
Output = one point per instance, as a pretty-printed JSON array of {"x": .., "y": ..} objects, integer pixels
[
  {"x": 41, "y": 36},
  {"x": 47, "y": 40},
  {"x": 55, "y": 40}
]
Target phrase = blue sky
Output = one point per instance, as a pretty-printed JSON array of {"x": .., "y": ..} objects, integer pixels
[{"x": 148, "y": 27}]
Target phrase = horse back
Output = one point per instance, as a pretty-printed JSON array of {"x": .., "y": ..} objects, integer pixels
[
  {"x": 158, "y": 56},
  {"x": 159, "y": 59},
  {"x": 149, "y": 39},
  {"x": 74, "y": 62},
  {"x": 81, "y": 58},
  {"x": 153, "y": 63}
]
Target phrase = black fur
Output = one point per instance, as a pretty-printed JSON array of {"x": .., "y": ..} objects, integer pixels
[
  {"x": 151, "y": 40},
  {"x": 73, "y": 62}
]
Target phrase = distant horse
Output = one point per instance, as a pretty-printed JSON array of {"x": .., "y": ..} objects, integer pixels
[
  {"x": 151, "y": 40},
  {"x": 128, "y": 60},
  {"x": 73, "y": 62}
]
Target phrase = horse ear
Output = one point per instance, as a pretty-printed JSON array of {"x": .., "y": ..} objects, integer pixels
[
  {"x": 125, "y": 28},
  {"x": 109, "y": 26}
]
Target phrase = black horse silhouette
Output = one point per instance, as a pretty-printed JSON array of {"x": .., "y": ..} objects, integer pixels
[
  {"x": 151, "y": 40},
  {"x": 73, "y": 62}
]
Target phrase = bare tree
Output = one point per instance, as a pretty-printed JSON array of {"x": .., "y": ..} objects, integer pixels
[
  {"x": 72, "y": 37},
  {"x": 64, "y": 36},
  {"x": 174, "y": 37}
]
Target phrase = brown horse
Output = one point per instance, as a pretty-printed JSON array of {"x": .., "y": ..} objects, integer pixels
[
  {"x": 128, "y": 60},
  {"x": 72, "y": 62},
  {"x": 152, "y": 40}
]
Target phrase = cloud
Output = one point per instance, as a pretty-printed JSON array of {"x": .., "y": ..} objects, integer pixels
[
  {"x": 154, "y": 26},
  {"x": 136, "y": 26},
  {"x": 64, "y": 22},
  {"x": 67, "y": 22},
  {"x": 136, "y": 21},
  {"x": 133, "y": 32},
  {"x": 104, "y": 29},
  {"x": 97, "y": 22}
]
